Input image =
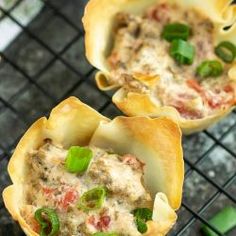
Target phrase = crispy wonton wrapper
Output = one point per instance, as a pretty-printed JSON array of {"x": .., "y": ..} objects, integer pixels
[
  {"x": 157, "y": 142},
  {"x": 99, "y": 23}
]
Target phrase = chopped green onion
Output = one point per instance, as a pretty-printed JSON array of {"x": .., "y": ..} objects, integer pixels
[
  {"x": 141, "y": 225},
  {"x": 224, "y": 221},
  {"x": 78, "y": 159},
  {"x": 92, "y": 199},
  {"x": 183, "y": 52},
  {"x": 142, "y": 215},
  {"x": 210, "y": 69},
  {"x": 48, "y": 220},
  {"x": 226, "y": 51},
  {"x": 176, "y": 31},
  {"x": 105, "y": 234}
]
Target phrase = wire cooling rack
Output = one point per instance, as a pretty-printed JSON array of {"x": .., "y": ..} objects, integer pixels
[{"x": 46, "y": 63}]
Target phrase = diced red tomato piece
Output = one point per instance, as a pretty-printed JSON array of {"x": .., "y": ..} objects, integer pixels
[
  {"x": 217, "y": 104},
  {"x": 228, "y": 88},
  {"x": 185, "y": 111},
  {"x": 217, "y": 101},
  {"x": 103, "y": 222},
  {"x": 194, "y": 85},
  {"x": 232, "y": 88},
  {"x": 190, "y": 114},
  {"x": 48, "y": 190},
  {"x": 100, "y": 224},
  {"x": 214, "y": 103},
  {"x": 69, "y": 197}
]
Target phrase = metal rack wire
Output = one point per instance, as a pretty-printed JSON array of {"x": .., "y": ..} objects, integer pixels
[{"x": 192, "y": 213}]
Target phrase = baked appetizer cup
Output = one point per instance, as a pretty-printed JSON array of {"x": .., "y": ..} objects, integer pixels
[
  {"x": 165, "y": 57},
  {"x": 79, "y": 173}
]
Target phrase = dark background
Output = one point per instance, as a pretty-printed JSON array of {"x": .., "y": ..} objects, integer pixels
[{"x": 46, "y": 64}]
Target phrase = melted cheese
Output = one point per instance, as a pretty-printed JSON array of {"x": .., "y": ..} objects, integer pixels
[
  {"x": 52, "y": 186},
  {"x": 139, "y": 48}
]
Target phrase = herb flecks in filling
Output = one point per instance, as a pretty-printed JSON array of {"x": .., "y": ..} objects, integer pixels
[
  {"x": 101, "y": 199},
  {"x": 142, "y": 49}
]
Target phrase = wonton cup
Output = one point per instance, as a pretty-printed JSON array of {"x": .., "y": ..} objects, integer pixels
[
  {"x": 99, "y": 22},
  {"x": 156, "y": 142}
]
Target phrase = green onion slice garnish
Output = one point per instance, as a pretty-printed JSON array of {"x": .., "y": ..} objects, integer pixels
[
  {"x": 48, "y": 220},
  {"x": 183, "y": 52},
  {"x": 78, "y": 159},
  {"x": 210, "y": 69},
  {"x": 226, "y": 51},
  {"x": 142, "y": 215},
  {"x": 223, "y": 221},
  {"x": 105, "y": 234},
  {"x": 92, "y": 199},
  {"x": 176, "y": 31}
]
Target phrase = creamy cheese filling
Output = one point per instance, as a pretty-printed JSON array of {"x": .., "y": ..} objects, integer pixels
[
  {"x": 139, "y": 49},
  {"x": 52, "y": 186}
]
